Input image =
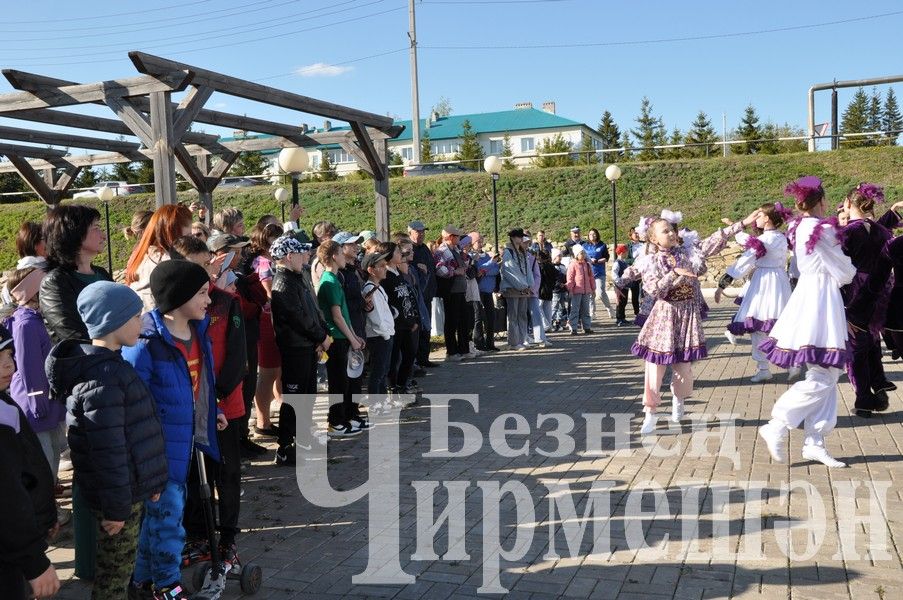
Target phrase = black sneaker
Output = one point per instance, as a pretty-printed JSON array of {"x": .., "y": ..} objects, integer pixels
[
  {"x": 430, "y": 364},
  {"x": 250, "y": 448},
  {"x": 285, "y": 456},
  {"x": 573, "y": 332},
  {"x": 342, "y": 431},
  {"x": 420, "y": 372},
  {"x": 360, "y": 422},
  {"x": 228, "y": 554},
  {"x": 587, "y": 331}
]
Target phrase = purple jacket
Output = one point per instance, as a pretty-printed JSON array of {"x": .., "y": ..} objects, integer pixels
[{"x": 29, "y": 387}]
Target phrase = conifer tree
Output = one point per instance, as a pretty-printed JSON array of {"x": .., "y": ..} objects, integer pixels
[
  {"x": 875, "y": 120},
  {"x": 749, "y": 130},
  {"x": 677, "y": 137},
  {"x": 327, "y": 171},
  {"x": 426, "y": 149},
  {"x": 892, "y": 121},
  {"x": 587, "y": 151},
  {"x": 507, "y": 153},
  {"x": 554, "y": 145},
  {"x": 855, "y": 119},
  {"x": 701, "y": 132},
  {"x": 471, "y": 153},
  {"x": 610, "y": 134},
  {"x": 649, "y": 131},
  {"x": 626, "y": 154}
]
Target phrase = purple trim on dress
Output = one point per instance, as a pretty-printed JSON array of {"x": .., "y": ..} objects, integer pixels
[
  {"x": 669, "y": 358},
  {"x": 809, "y": 355},
  {"x": 738, "y": 300},
  {"x": 750, "y": 325},
  {"x": 756, "y": 245},
  {"x": 640, "y": 320}
]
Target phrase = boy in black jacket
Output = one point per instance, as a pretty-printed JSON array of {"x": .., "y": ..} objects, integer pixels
[
  {"x": 301, "y": 336},
  {"x": 27, "y": 507},
  {"x": 115, "y": 437}
]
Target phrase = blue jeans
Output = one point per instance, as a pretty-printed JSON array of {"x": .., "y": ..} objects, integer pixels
[
  {"x": 162, "y": 538},
  {"x": 538, "y": 319},
  {"x": 580, "y": 311},
  {"x": 380, "y": 354}
]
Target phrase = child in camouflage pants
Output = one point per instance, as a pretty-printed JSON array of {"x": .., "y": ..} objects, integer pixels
[{"x": 115, "y": 437}]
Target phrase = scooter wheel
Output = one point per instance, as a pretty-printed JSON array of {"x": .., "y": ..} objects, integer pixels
[{"x": 251, "y": 578}]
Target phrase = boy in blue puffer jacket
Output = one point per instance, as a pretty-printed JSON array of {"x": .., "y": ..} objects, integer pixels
[{"x": 174, "y": 358}]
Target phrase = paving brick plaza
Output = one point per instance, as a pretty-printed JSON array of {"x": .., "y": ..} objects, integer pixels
[{"x": 719, "y": 519}]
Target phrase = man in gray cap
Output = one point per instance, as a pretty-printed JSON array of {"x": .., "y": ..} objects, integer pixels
[{"x": 423, "y": 260}]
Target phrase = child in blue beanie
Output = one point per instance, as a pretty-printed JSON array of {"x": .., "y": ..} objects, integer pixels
[
  {"x": 174, "y": 358},
  {"x": 115, "y": 437}
]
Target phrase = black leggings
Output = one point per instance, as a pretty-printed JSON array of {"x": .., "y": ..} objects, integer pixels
[
  {"x": 457, "y": 324},
  {"x": 404, "y": 350},
  {"x": 299, "y": 376},
  {"x": 340, "y": 413}
]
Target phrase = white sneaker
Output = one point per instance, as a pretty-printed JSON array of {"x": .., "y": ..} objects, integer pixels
[
  {"x": 819, "y": 454},
  {"x": 793, "y": 373},
  {"x": 774, "y": 439},
  {"x": 474, "y": 351},
  {"x": 677, "y": 410},
  {"x": 761, "y": 376},
  {"x": 610, "y": 315},
  {"x": 649, "y": 423},
  {"x": 730, "y": 337}
]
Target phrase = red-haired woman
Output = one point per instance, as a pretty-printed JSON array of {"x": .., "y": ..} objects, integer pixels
[{"x": 168, "y": 224}]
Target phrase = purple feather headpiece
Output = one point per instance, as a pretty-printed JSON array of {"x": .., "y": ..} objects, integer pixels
[
  {"x": 782, "y": 210},
  {"x": 873, "y": 192},
  {"x": 805, "y": 189}
]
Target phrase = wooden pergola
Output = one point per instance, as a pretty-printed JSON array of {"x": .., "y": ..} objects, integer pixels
[{"x": 145, "y": 110}]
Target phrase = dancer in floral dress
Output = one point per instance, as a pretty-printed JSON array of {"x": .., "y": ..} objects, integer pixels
[{"x": 672, "y": 335}]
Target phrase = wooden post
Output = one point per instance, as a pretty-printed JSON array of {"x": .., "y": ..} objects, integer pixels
[
  {"x": 381, "y": 188},
  {"x": 164, "y": 163}
]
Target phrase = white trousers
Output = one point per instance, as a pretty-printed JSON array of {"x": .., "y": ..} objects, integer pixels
[
  {"x": 757, "y": 337},
  {"x": 812, "y": 402}
]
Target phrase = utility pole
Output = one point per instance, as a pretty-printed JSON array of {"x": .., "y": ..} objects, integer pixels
[{"x": 415, "y": 93}]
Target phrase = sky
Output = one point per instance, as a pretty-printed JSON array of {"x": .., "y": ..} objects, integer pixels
[{"x": 483, "y": 55}]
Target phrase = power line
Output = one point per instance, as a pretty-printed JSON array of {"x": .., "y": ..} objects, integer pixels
[
  {"x": 667, "y": 40},
  {"x": 282, "y": 21},
  {"x": 96, "y": 17},
  {"x": 130, "y": 27},
  {"x": 235, "y": 43}
]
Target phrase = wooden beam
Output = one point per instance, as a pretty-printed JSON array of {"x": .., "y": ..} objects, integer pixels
[
  {"x": 133, "y": 119},
  {"x": 66, "y": 179},
  {"x": 163, "y": 144},
  {"x": 219, "y": 169},
  {"x": 92, "y": 92},
  {"x": 381, "y": 191},
  {"x": 77, "y": 121},
  {"x": 150, "y": 64},
  {"x": 366, "y": 145},
  {"x": 31, "y": 152},
  {"x": 189, "y": 108},
  {"x": 31, "y": 177},
  {"x": 189, "y": 168},
  {"x": 359, "y": 157},
  {"x": 60, "y": 139}
]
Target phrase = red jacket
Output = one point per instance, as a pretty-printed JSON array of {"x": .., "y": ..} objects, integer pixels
[
  {"x": 580, "y": 278},
  {"x": 230, "y": 354}
]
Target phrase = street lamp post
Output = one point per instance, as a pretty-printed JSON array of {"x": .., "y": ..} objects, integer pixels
[
  {"x": 613, "y": 173},
  {"x": 294, "y": 162},
  {"x": 493, "y": 166},
  {"x": 105, "y": 194},
  {"x": 281, "y": 196}
]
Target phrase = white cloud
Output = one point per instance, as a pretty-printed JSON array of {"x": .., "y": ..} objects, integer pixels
[
  {"x": 220, "y": 105},
  {"x": 322, "y": 70}
]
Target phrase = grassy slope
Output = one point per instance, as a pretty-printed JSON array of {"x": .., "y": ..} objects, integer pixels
[{"x": 553, "y": 199}]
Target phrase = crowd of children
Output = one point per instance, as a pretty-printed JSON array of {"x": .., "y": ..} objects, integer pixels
[{"x": 211, "y": 327}]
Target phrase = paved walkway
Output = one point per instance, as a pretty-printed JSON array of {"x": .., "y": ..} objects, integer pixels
[{"x": 716, "y": 523}]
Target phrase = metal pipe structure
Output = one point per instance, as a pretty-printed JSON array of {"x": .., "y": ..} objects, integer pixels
[
  {"x": 840, "y": 84},
  {"x": 495, "y": 214},
  {"x": 835, "y": 128}
]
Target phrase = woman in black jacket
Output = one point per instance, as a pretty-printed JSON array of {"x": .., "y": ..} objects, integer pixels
[
  {"x": 301, "y": 336},
  {"x": 73, "y": 237}
]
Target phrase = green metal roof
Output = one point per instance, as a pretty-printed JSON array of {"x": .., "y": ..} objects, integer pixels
[
  {"x": 444, "y": 128},
  {"x": 490, "y": 122}
]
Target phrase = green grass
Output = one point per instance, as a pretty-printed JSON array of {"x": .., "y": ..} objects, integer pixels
[{"x": 553, "y": 199}]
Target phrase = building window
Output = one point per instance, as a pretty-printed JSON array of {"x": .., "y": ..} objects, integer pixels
[
  {"x": 526, "y": 144},
  {"x": 339, "y": 156},
  {"x": 315, "y": 161},
  {"x": 495, "y": 147},
  {"x": 407, "y": 153}
]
